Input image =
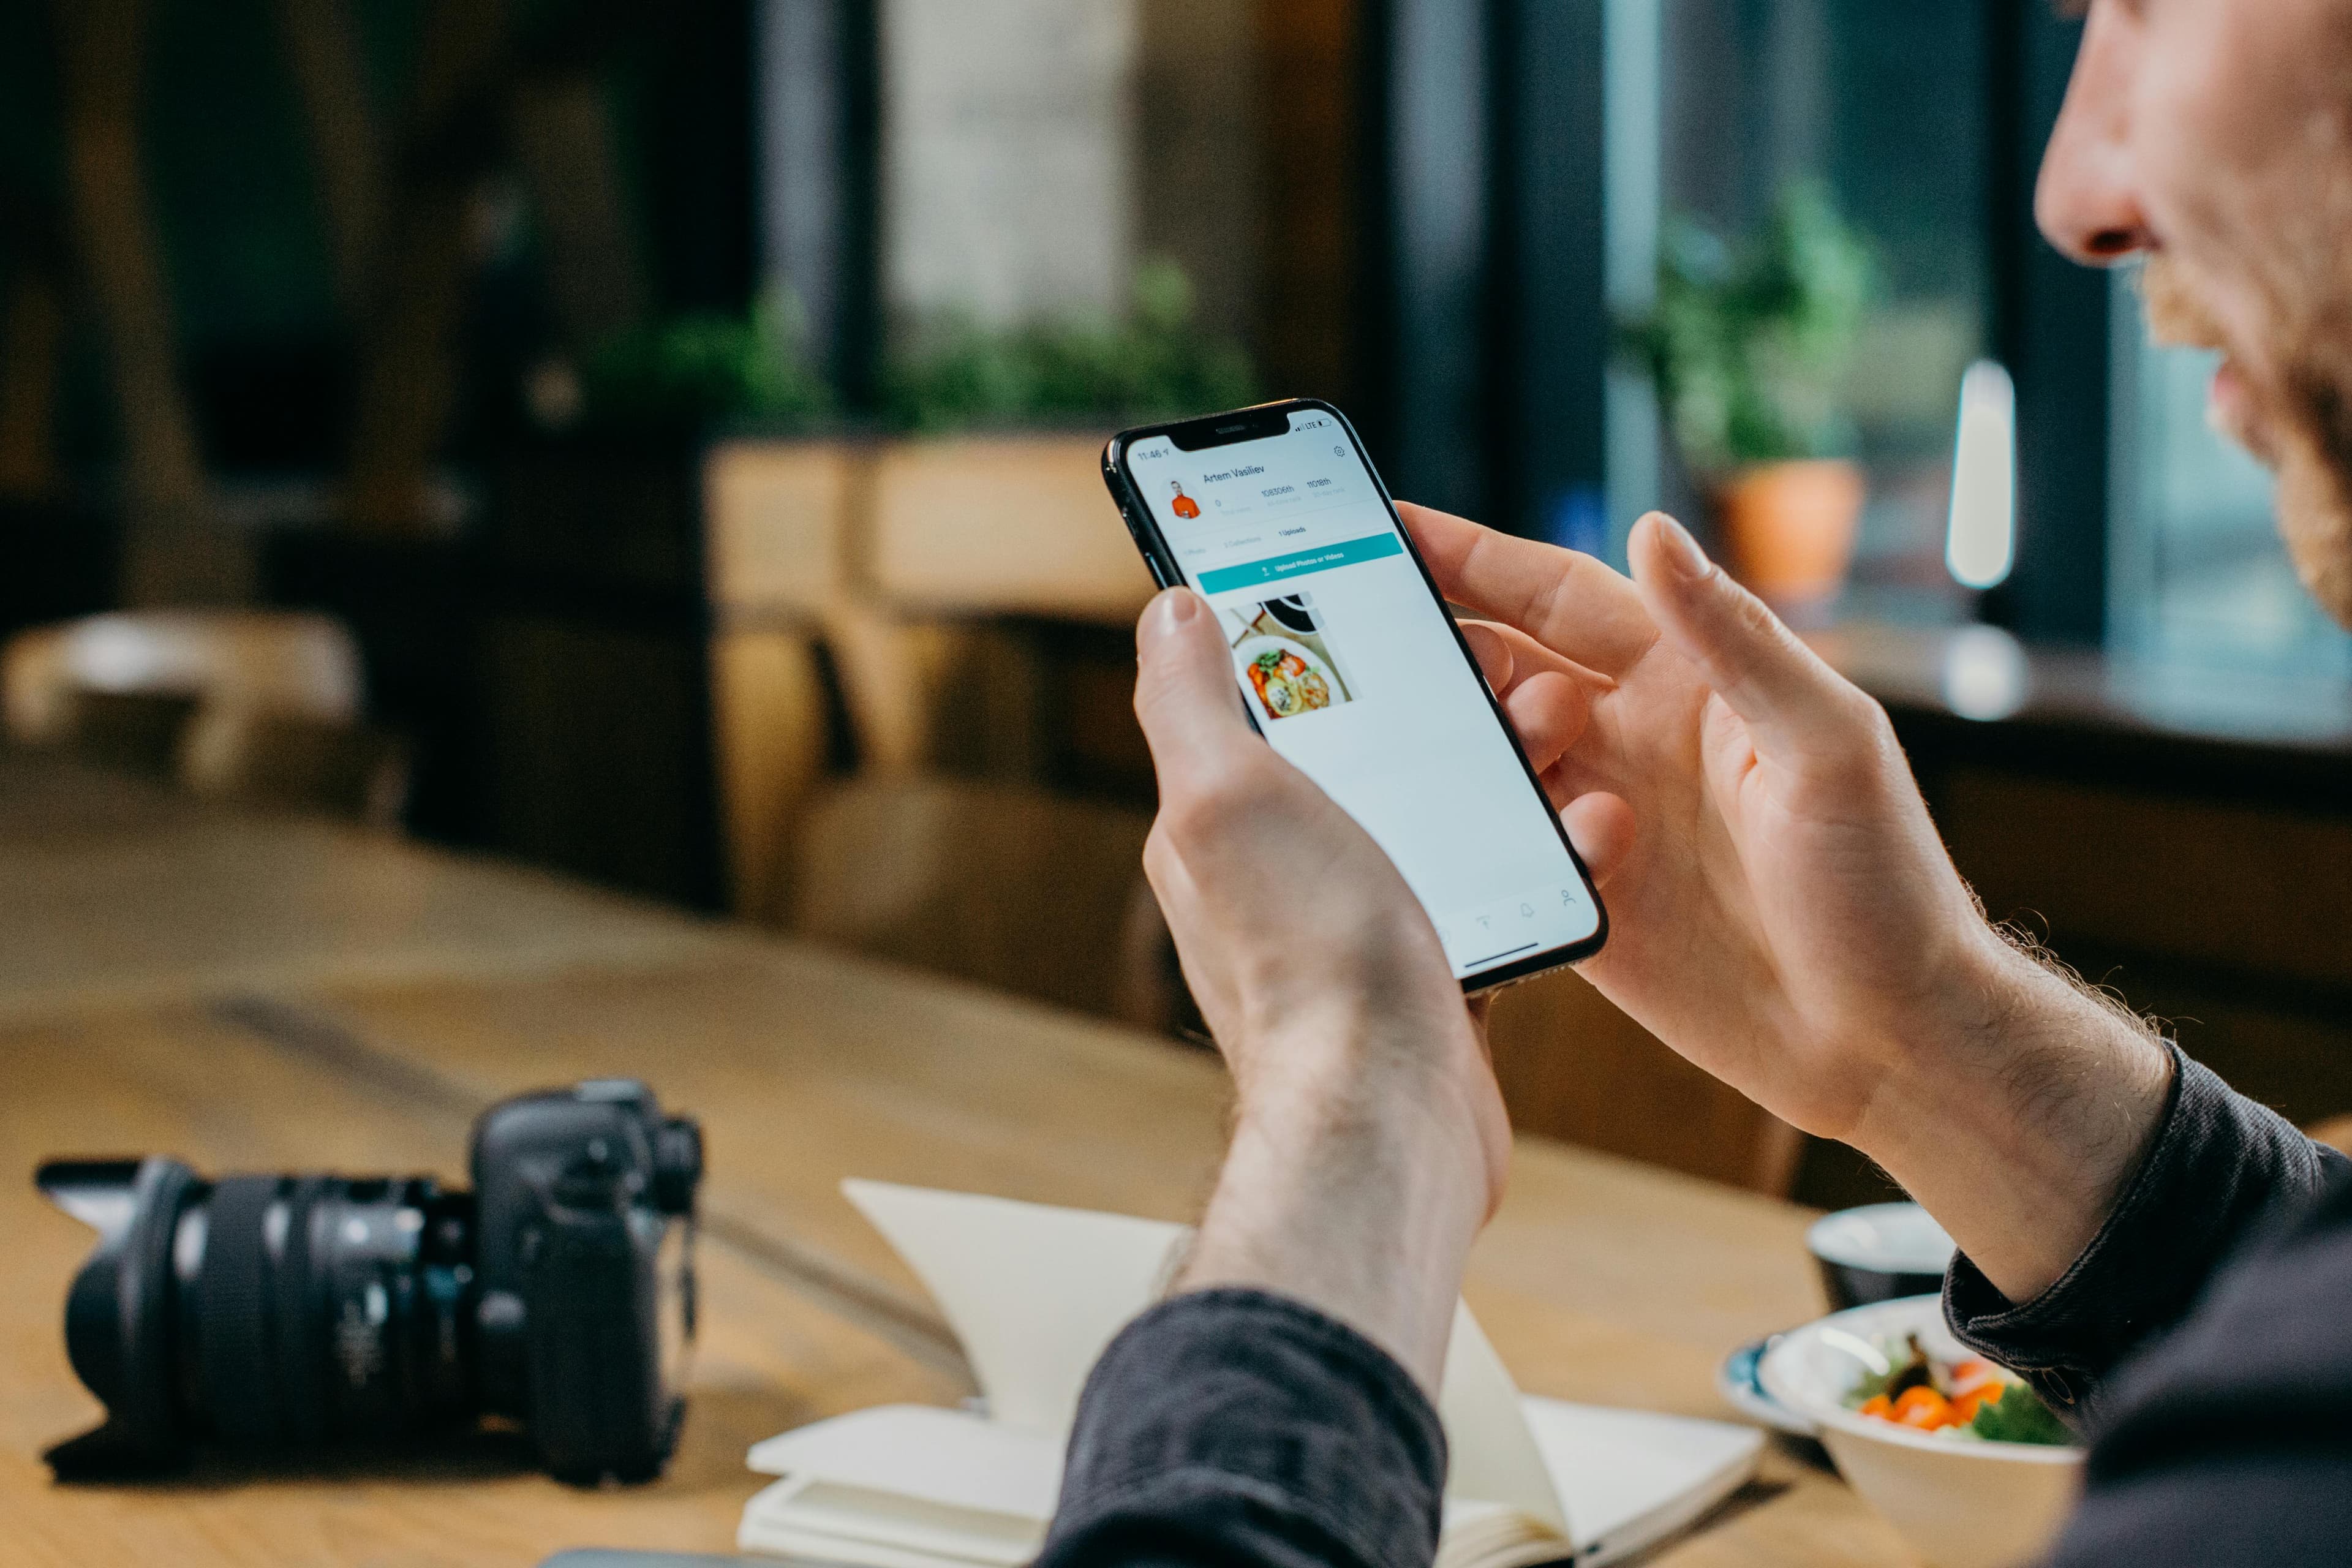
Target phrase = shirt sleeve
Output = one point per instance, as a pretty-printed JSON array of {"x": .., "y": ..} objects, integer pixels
[
  {"x": 2225, "y": 1445},
  {"x": 1238, "y": 1427},
  {"x": 2221, "y": 1172}
]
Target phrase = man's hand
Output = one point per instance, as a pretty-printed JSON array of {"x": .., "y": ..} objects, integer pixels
[
  {"x": 1782, "y": 911},
  {"x": 1370, "y": 1143}
]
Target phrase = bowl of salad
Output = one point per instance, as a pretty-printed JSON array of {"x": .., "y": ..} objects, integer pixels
[{"x": 1963, "y": 1459}]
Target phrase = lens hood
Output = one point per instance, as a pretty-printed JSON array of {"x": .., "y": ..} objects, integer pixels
[{"x": 119, "y": 1310}]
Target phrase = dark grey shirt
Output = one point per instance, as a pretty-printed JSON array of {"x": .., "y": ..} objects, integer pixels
[{"x": 2203, "y": 1342}]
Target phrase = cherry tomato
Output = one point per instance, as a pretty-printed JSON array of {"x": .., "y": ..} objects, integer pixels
[
  {"x": 1922, "y": 1408},
  {"x": 1969, "y": 1376}
]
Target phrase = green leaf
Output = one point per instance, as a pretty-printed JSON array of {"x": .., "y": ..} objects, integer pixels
[
  {"x": 695, "y": 369},
  {"x": 2021, "y": 1417},
  {"x": 1750, "y": 345}
]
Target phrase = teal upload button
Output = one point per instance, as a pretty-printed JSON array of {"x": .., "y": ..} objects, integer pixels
[{"x": 1301, "y": 564}]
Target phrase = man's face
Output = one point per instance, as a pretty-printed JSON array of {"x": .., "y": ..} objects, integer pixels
[{"x": 2214, "y": 137}]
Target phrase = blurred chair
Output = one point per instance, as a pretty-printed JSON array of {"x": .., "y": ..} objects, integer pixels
[
  {"x": 243, "y": 705},
  {"x": 775, "y": 524},
  {"x": 964, "y": 549},
  {"x": 878, "y": 606},
  {"x": 1008, "y": 886},
  {"x": 878, "y": 602},
  {"x": 136, "y": 732},
  {"x": 772, "y": 724},
  {"x": 296, "y": 761},
  {"x": 999, "y": 525}
]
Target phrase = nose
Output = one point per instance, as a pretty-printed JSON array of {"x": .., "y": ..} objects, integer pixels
[{"x": 2087, "y": 202}]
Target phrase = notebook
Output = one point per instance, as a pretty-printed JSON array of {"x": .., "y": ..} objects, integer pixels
[{"x": 1035, "y": 1293}]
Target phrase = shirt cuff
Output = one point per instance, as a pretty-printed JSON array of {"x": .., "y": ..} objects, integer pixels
[
  {"x": 1230, "y": 1417},
  {"x": 2221, "y": 1170}
]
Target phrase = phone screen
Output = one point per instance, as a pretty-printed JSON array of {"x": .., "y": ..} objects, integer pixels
[{"x": 1351, "y": 667}]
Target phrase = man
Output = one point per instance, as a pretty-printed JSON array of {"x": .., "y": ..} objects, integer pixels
[{"x": 2171, "y": 1265}]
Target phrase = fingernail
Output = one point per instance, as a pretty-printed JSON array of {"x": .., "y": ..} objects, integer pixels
[
  {"x": 1682, "y": 551},
  {"x": 1171, "y": 609}
]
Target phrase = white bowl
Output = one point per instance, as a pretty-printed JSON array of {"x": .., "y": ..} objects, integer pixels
[
  {"x": 1959, "y": 1503},
  {"x": 1878, "y": 1253}
]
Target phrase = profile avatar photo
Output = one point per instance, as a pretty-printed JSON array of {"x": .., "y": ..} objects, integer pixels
[
  {"x": 1283, "y": 656},
  {"x": 1183, "y": 506}
]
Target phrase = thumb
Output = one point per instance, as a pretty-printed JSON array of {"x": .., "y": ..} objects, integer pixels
[
  {"x": 1788, "y": 695},
  {"x": 1185, "y": 696}
]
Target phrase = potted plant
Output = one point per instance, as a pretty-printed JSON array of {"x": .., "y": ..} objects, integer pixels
[{"x": 1750, "y": 345}]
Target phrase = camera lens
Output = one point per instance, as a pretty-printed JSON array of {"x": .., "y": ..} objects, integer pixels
[
  {"x": 288, "y": 1311},
  {"x": 268, "y": 1311},
  {"x": 314, "y": 1308}
]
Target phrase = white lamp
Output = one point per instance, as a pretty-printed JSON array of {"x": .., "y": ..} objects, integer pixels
[{"x": 1981, "y": 544}]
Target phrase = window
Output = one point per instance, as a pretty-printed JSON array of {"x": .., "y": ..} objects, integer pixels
[
  {"x": 1927, "y": 123},
  {"x": 2198, "y": 573},
  {"x": 1888, "y": 105}
]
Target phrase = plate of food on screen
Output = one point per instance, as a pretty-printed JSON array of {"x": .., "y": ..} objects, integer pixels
[{"x": 1289, "y": 678}]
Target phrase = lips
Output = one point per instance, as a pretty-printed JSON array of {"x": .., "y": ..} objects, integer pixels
[
  {"x": 2226, "y": 398},
  {"x": 2232, "y": 408}
]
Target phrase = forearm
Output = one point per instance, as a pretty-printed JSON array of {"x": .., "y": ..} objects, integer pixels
[
  {"x": 1362, "y": 1206},
  {"x": 2019, "y": 1116}
]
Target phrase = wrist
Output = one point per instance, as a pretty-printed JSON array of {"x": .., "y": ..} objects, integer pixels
[
  {"x": 1353, "y": 1067},
  {"x": 2022, "y": 1092},
  {"x": 1354, "y": 1188}
]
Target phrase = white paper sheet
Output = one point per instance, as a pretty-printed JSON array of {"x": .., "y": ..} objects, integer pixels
[
  {"x": 1035, "y": 1293},
  {"x": 1629, "y": 1476},
  {"x": 951, "y": 1457}
]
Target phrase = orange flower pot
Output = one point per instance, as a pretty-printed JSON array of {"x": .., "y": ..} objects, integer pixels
[{"x": 1787, "y": 531}]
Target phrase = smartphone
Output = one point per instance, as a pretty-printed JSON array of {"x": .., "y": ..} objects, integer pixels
[{"x": 1350, "y": 665}]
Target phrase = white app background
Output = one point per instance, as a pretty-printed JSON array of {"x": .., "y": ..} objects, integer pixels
[{"x": 1369, "y": 694}]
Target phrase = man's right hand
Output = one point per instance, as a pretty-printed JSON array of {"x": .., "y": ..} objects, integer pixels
[{"x": 1782, "y": 911}]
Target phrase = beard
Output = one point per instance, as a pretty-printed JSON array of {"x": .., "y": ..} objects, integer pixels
[{"x": 2296, "y": 415}]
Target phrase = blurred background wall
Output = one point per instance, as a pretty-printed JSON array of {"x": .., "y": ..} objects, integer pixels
[{"x": 263, "y": 256}]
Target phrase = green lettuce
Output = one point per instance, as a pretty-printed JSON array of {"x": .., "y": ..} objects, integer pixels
[{"x": 2021, "y": 1417}]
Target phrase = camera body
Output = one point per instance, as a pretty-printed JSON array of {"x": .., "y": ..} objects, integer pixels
[
  {"x": 576, "y": 1193},
  {"x": 290, "y": 1312}
]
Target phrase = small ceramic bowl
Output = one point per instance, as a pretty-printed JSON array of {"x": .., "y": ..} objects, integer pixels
[
  {"x": 1878, "y": 1253},
  {"x": 1960, "y": 1503}
]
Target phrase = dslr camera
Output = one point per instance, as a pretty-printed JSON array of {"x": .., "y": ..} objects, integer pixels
[{"x": 293, "y": 1312}]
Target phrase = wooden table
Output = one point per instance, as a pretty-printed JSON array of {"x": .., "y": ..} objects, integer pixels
[
  {"x": 112, "y": 891},
  {"x": 202, "y": 1020}
]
